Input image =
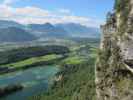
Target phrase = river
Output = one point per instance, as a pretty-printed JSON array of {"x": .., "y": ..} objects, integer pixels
[{"x": 35, "y": 81}]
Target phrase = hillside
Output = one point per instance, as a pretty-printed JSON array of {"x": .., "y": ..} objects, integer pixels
[
  {"x": 8, "y": 23},
  {"x": 14, "y": 34}
]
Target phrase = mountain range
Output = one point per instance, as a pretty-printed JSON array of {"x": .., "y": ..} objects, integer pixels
[
  {"x": 47, "y": 30},
  {"x": 78, "y": 30},
  {"x": 14, "y": 34},
  {"x": 11, "y": 31}
]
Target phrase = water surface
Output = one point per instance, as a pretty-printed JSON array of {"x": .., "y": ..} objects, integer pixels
[{"x": 35, "y": 80}]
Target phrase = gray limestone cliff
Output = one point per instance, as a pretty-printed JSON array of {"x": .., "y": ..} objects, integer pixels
[{"x": 114, "y": 66}]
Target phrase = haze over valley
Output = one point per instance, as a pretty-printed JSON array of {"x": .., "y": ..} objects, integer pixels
[{"x": 11, "y": 31}]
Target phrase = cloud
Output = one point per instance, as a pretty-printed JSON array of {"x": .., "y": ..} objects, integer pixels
[
  {"x": 8, "y": 2},
  {"x": 5, "y": 11},
  {"x": 32, "y": 12},
  {"x": 37, "y": 15}
]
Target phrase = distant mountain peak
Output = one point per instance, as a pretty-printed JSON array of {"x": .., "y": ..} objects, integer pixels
[{"x": 48, "y": 24}]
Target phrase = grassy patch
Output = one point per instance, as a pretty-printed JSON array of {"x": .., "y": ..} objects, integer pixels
[
  {"x": 77, "y": 47},
  {"x": 32, "y": 60},
  {"x": 74, "y": 60}
]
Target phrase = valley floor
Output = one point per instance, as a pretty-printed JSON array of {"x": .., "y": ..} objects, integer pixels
[{"x": 76, "y": 61}]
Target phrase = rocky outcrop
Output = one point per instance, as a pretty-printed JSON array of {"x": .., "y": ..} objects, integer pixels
[{"x": 114, "y": 67}]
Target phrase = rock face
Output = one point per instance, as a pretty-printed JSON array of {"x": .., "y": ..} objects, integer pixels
[{"x": 114, "y": 67}]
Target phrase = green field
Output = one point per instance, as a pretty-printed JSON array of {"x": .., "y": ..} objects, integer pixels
[
  {"x": 32, "y": 61},
  {"x": 74, "y": 60}
]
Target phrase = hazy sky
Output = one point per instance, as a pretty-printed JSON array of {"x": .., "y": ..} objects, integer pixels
[{"x": 87, "y": 12}]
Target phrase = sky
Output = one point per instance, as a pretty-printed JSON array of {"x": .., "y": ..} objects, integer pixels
[{"x": 86, "y": 12}]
